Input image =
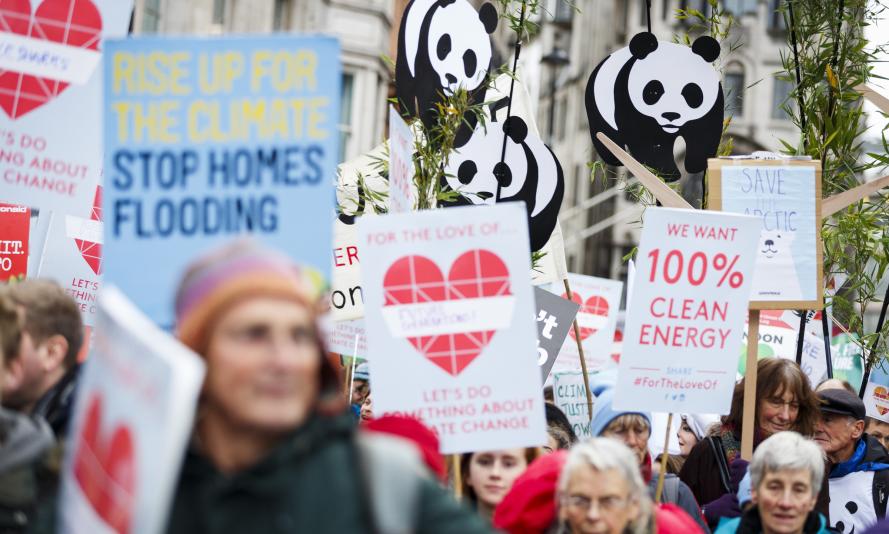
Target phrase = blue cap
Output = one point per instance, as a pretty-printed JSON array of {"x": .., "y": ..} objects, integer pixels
[
  {"x": 602, "y": 386},
  {"x": 362, "y": 372}
]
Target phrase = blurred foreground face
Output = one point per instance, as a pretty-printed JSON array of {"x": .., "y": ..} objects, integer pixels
[
  {"x": 492, "y": 473},
  {"x": 24, "y": 383},
  {"x": 598, "y": 502},
  {"x": 263, "y": 363},
  {"x": 785, "y": 499}
]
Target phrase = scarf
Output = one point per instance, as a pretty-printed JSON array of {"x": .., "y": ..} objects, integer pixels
[{"x": 854, "y": 464}]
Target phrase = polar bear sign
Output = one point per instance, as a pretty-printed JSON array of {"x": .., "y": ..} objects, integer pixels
[{"x": 786, "y": 195}]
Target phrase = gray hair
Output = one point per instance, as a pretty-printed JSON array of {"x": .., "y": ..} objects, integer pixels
[
  {"x": 787, "y": 450},
  {"x": 603, "y": 454}
]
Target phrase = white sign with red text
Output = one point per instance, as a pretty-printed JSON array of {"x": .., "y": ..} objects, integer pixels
[
  {"x": 450, "y": 322},
  {"x": 346, "y": 298},
  {"x": 402, "y": 192},
  {"x": 345, "y": 337},
  {"x": 599, "y": 301},
  {"x": 132, "y": 420},
  {"x": 686, "y": 317},
  {"x": 51, "y": 97}
]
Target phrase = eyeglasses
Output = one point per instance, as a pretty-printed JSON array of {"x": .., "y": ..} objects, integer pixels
[{"x": 609, "y": 503}]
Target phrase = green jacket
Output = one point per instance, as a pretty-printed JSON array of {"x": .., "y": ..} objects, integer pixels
[{"x": 315, "y": 481}]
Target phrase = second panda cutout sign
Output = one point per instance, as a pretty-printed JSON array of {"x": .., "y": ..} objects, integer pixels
[{"x": 650, "y": 93}]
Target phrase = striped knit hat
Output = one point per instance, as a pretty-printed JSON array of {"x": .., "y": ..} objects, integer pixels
[{"x": 240, "y": 269}]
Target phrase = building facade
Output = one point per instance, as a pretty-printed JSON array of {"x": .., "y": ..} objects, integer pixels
[{"x": 363, "y": 27}]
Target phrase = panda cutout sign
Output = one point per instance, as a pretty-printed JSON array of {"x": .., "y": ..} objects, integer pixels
[
  {"x": 530, "y": 172},
  {"x": 646, "y": 95},
  {"x": 443, "y": 45}
]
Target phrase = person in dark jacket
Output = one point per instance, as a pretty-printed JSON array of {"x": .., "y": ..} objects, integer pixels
[
  {"x": 633, "y": 429},
  {"x": 785, "y": 401},
  {"x": 275, "y": 448},
  {"x": 859, "y": 472},
  {"x": 24, "y": 442},
  {"x": 42, "y": 373},
  {"x": 785, "y": 475}
]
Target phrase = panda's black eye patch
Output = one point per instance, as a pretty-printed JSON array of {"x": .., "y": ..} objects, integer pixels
[
  {"x": 469, "y": 63},
  {"x": 652, "y": 92},
  {"x": 693, "y": 95},
  {"x": 466, "y": 172},
  {"x": 444, "y": 47}
]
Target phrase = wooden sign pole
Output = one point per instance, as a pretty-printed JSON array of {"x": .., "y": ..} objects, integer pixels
[
  {"x": 586, "y": 375},
  {"x": 845, "y": 199},
  {"x": 458, "y": 476},
  {"x": 661, "y": 191},
  {"x": 749, "y": 420},
  {"x": 876, "y": 98},
  {"x": 663, "y": 473}
]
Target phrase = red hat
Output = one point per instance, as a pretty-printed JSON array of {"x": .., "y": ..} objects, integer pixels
[
  {"x": 419, "y": 434},
  {"x": 530, "y": 506}
]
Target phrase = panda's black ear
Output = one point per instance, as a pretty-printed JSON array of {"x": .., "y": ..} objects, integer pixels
[
  {"x": 516, "y": 129},
  {"x": 706, "y": 47},
  {"x": 488, "y": 15},
  {"x": 643, "y": 44}
]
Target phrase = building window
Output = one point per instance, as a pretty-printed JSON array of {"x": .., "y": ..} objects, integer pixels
[
  {"x": 564, "y": 13},
  {"x": 776, "y": 22},
  {"x": 579, "y": 176},
  {"x": 781, "y": 99},
  {"x": 219, "y": 12},
  {"x": 150, "y": 16},
  {"x": 700, "y": 5},
  {"x": 345, "y": 126},
  {"x": 740, "y": 7},
  {"x": 281, "y": 20},
  {"x": 733, "y": 86}
]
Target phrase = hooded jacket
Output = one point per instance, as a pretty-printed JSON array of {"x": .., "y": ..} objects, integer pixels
[
  {"x": 24, "y": 442},
  {"x": 750, "y": 523},
  {"x": 859, "y": 487},
  {"x": 319, "y": 479}
]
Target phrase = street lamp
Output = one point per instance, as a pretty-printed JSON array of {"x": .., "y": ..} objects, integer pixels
[{"x": 555, "y": 59}]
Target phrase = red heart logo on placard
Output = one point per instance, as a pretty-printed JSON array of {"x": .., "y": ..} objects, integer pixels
[
  {"x": 617, "y": 346},
  {"x": 595, "y": 305},
  {"x": 76, "y": 23},
  {"x": 104, "y": 467},
  {"x": 474, "y": 274},
  {"x": 92, "y": 252},
  {"x": 882, "y": 394}
]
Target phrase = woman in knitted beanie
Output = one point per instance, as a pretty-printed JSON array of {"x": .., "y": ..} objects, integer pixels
[{"x": 275, "y": 448}]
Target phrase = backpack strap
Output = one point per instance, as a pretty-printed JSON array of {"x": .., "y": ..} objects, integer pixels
[
  {"x": 721, "y": 462},
  {"x": 881, "y": 492},
  {"x": 393, "y": 473}
]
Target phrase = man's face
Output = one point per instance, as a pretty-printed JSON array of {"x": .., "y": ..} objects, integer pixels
[
  {"x": 785, "y": 499},
  {"x": 879, "y": 430},
  {"x": 837, "y": 433},
  {"x": 25, "y": 374},
  {"x": 360, "y": 389}
]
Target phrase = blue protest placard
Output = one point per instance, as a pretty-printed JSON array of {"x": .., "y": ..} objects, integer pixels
[{"x": 208, "y": 139}]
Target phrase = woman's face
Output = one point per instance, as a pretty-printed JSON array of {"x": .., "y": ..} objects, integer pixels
[
  {"x": 784, "y": 499},
  {"x": 367, "y": 408},
  {"x": 687, "y": 439},
  {"x": 598, "y": 502},
  {"x": 632, "y": 432},
  {"x": 778, "y": 412},
  {"x": 263, "y": 365},
  {"x": 492, "y": 473}
]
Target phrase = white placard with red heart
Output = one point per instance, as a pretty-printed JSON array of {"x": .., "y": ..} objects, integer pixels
[
  {"x": 132, "y": 419},
  {"x": 599, "y": 300},
  {"x": 72, "y": 256},
  {"x": 876, "y": 395},
  {"x": 450, "y": 324},
  {"x": 51, "y": 97}
]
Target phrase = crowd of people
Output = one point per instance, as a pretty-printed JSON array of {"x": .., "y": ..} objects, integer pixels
[{"x": 281, "y": 443}]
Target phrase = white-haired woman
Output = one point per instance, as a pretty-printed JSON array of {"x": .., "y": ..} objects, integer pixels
[
  {"x": 602, "y": 492},
  {"x": 785, "y": 476}
]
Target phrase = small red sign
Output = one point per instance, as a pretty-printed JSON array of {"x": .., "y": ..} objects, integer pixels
[{"x": 15, "y": 224}]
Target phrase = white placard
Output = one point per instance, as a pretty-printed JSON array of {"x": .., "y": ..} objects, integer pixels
[
  {"x": 684, "y": 324},
  {"x": 402, "y": 192},
  {"x": 475, "y": 381},
  {"x": 599, "y": 300},
  {"x": 341, "y": 336},
  {"x": 132, "y": 420}
]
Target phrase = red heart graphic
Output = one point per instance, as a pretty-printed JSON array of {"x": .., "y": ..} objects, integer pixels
[
  {"x": 882, "y": 394},
  {"x": 76, "y": 23},
  {"x": 594, "y": 305},
  {"x": 92, "y": 252},
  {"x": 617, "y": 346},
  {"x": 474, "y": 274},
  {"x": 105, "y": 469}
]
